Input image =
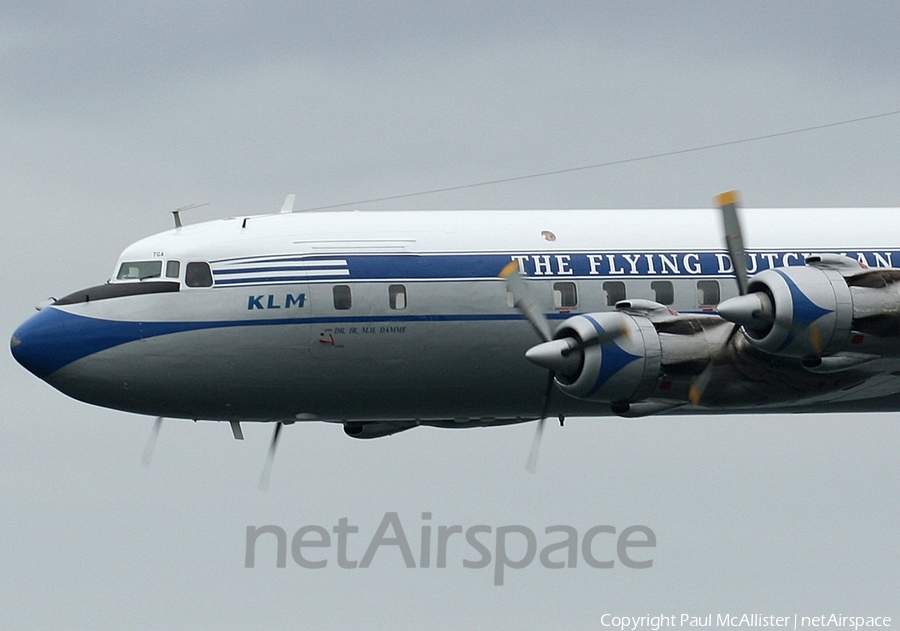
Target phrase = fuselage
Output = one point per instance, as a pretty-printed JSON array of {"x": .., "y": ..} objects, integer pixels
[{"x": 393, "y": 316}]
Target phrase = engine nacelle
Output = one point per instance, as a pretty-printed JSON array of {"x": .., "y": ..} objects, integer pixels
[
  {"x": 794, "y": 311},
  {"x": 612, "y": 357}
]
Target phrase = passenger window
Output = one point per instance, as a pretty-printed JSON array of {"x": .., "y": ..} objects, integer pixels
[
  {"x": 708, "y": 292},
  {"x": 615, "y": 291},
  {"x": 342, "y": 298},
  {"x": 139, "y": 270},
  {"x": 397, "y": 296},
  {"x": 198, "y": 275},
  {"x": 665, "y": 293},
  {"x": 564, "y": 295},
  {"x": 173, "y": 268}
]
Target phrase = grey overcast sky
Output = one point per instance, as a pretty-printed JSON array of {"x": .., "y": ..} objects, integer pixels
[{"x": 113, "y": 113}]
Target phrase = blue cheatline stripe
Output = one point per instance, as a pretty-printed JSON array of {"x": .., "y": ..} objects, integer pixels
[
  {"x": 561, "y": 264},
  {"x": 53, "y": 338}
]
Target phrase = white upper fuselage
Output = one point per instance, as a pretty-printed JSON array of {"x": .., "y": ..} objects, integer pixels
[{"x": 600, "y": 231}]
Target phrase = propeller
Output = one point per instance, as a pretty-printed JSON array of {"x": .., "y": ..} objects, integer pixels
[
  {"x": 151, "y": 442},
  {"x": 554, "y": 355},
  {"x": 751, "y": 310},
  {"x": 524, "y": 301},
  {"x": 267, "y": 469},
  {"x": 734, "y": 243}
]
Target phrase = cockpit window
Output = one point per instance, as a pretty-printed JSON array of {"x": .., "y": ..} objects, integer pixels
[
  {"x": 198, "y": 275},
  {"x": 173, "y": 268},
  {"x": 139, "y": 270}
]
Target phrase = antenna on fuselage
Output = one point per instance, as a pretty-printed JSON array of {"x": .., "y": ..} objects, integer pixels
[
  {"x": 177, "y": 211},
  {"x": 288, "y": 206}
]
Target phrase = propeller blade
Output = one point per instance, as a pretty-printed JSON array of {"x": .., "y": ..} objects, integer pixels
[
  {"x": 524, "y": 301},
  {"x": 151, "y": 442},
  {"x": 548, "y": 392},
  {"x": 815, "y": 339},
  {"x": 267, "y": 469},
  {"x": 734, "y": 240},
  {"x": 698, "y": 386},
  {"x": 701, "y": 381},
  {"x": 536, "y": 445},
  {"x": 531, "y": 465}
]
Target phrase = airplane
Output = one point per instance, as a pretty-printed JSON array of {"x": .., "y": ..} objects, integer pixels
[{"x": 383, "y": 321}]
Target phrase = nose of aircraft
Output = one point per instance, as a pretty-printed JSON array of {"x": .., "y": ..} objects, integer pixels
[{"x": 39, "y": 344}]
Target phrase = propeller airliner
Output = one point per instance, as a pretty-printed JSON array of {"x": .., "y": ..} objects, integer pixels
[{"x": 386, "y": 321}]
